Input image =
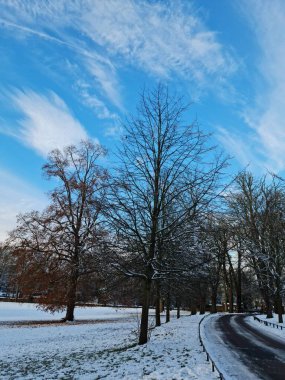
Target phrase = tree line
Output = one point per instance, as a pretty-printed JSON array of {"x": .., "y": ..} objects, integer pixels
[{"x": 164, "y": 224}]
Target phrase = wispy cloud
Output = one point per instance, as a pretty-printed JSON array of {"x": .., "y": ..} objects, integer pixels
[
  {"x": 140, "y": 33},
  {"x": 265, "y": 115},
  {"x": 52, "y": 23},
  {"x": 162, "y": 39},
  {"x": 89, "y": 98},
  {"x": 237, "y": 146},
  {"x": 16, "y": 196},
  {"x": 107, "y": 79},
  {"x": 45, "y": 123},
  {"x": 28, "y": 31}
]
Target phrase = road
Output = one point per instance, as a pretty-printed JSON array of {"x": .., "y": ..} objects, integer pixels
[{"x": 243, "y": 351}]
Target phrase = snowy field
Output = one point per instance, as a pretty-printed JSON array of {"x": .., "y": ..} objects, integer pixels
[
  {"x": 98, "y": 350},
  {"x": 13, "y": 311}
]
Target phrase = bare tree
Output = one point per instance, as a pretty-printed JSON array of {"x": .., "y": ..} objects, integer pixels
[
  {"x": 164, "y": 176},
  {"x": 258, "y": 205},
  {"x": 65, "y": 241}
]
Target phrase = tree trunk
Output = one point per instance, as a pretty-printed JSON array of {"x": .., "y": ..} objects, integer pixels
[
  {"x": 266, "y": 296},
  {"x": 143, "y": 338},
  {"x": 268, "y": 304},
  {"x": 238, "y": 284},
  {"x": 279, "y": 308},
  {"x": 214, "y": 300},
  {"x": 202, "y": 300},
  {"x": 178, "y": 309},
  {"x": 226, "y": 282},
  {"x": 157, "y": 305},
  {"x": 193, "y": 308},
  {"x": 226, "y": 309},
  {"x": 202, "y": 308},
  {"x": 167, "y": 308},
  {"x": 231, "y": 299},
  {"x": 71, "y": 298},
  {"x": 239, "y": 305}
]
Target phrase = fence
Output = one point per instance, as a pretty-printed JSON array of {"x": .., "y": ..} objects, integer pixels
[
  {"x": 266, "y": 323},
  {"x": 208, "y": 356}
]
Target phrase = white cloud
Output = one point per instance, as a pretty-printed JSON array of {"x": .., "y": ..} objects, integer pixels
[
  {"x": 266, "y": 114},
  {"x": 49, "y": 23},
  {"x": 89, "y": 98},
  {"x": 46, "y": 121},
  {"x": 114, "y": 130},
  {"x": 16, "y": 196},
  {"x": 106, "y": 77},
  {"x": 238, "y": 147},
  {"x": 164, "y": 39}
]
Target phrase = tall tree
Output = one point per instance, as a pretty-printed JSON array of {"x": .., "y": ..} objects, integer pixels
[
  {"x": 164, "y": 176},
  {"x": 258, "y": 205},
  {"x": 65, "y": 241}
]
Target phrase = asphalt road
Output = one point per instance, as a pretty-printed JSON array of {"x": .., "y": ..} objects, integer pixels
[{"x": 262, "y": 354}]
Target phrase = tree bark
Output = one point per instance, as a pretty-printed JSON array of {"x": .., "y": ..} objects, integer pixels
[
  {"x": 71, "y": 298},
  {"x": 231, "y": 298},
  {"x": 167, "y": 319},
  {"x": 157, "y": 305},
  {"x": 178, "y": 309},
  {"x": 202, "y": 300},
  {"x": 268, "y": 303},
  {"x": 235, "y": 282},
  {"x": 238, "y": 284},
  {"x": 143, "y": 338},
  {"x": 238, "y": 294},
  {"x": 214, "y": 300},
  {"x": 264, "y": 291},
  {"x": 202, "y": 308},
  {"x": 279, "y": 308},
  {"x": 193, "y": 308}
]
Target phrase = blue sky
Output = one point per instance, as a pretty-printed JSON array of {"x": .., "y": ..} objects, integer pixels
[{"x": 72, "y": 69}]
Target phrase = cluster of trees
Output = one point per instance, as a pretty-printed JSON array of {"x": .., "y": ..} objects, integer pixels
[
  {"x": 257, "y": 207},
  {"x": 247, "y": 240},
  {"x": 162, "y": 219}
]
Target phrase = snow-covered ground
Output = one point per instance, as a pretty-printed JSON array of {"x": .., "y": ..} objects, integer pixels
[
  {"x": 272, "y": 320},
  {"x": 237, "y": 358},
  {"x": 99, "y": 350},
  {"x": 13, "y": 311},
  {"x": 269, "y": 330},
  {"x": 226, "y": 359}
]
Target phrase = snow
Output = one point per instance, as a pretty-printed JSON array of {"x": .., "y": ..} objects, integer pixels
[
  {"x": 99, "y": 350},
  {"x": 227, "y": 360},
  {"x": 13, "y": 311},
  {"x": 272, "y": 320},
  {"x": 269, "y": 330}
]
